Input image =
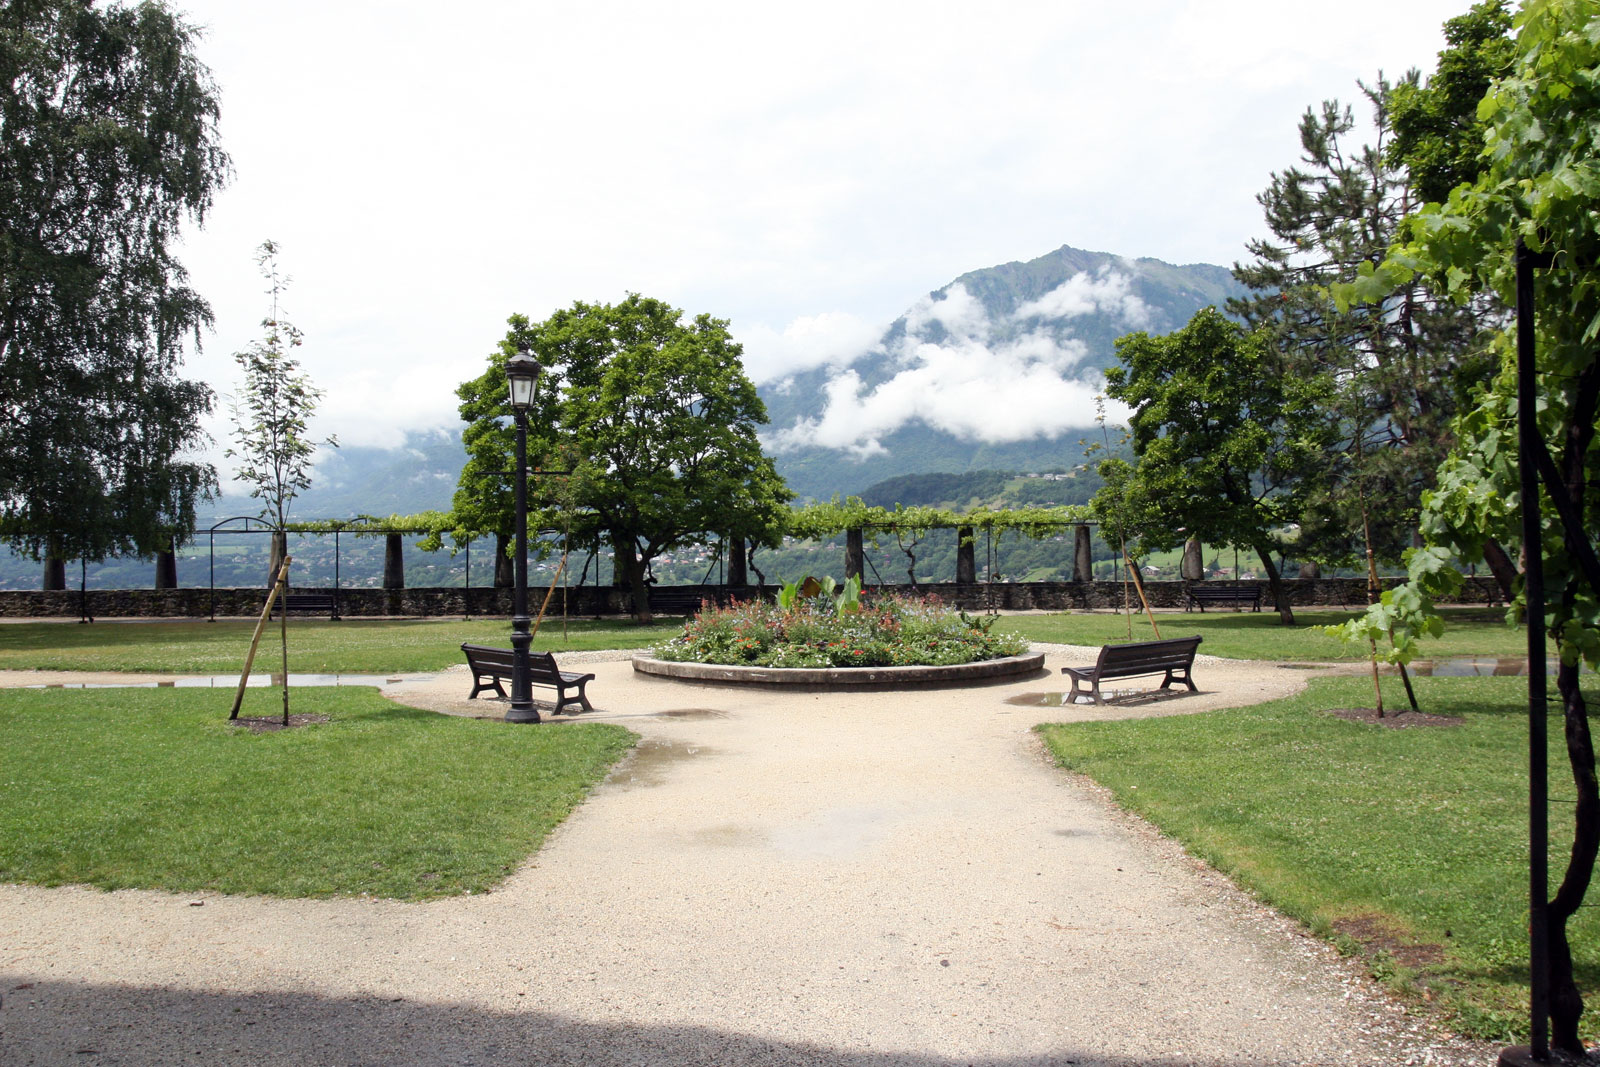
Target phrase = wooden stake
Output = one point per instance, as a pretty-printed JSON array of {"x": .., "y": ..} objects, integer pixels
[
  {"x": 278, "y": 584},
  {"x": 1138, "y": 583}
]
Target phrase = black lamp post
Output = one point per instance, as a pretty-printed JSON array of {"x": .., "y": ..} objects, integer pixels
[{"x": 522, "y": 370}]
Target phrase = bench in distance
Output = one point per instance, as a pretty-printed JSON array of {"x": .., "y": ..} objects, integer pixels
[
  {"x": 1236, "y": 593},
  {"x": 495, "y": 664},
  {"x": 308, "y": 604},
  {"x": 1174, "y": 658}
]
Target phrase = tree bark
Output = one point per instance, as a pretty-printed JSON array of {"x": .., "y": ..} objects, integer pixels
[
  {"x": 630, "y": 572},
  {"x": 55, "y": 573},
  {"x": 1280, "y": 593},
  {"x": 279, "y": 548},
  {"x": 733, "y": 550},
  {"x": 504, "y": 566},
  {"x": 1566, "y": 1002},
  {"x": 1500, "y": 565}
]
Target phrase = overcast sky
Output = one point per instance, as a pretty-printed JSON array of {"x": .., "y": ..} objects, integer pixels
[{"x": 806, "y": 171}]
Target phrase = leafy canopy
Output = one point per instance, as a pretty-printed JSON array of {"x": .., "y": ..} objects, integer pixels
[{"x": 108, "y": 143}]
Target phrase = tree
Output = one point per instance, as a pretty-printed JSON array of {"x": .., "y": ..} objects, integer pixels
[
  {"x": 1399, "y": 370},
  {"x": 654, "y": 418},
  {"x": 107, "y": 144},
  {"x": 1437, "y": 134},
  {"x": 1224, "y": 436},
  {"x": 1538, "y": 184},
  {"x": 271, "y": 412}
]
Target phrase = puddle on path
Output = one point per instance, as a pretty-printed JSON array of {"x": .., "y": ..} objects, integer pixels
[
  {"x": 691, "y": 713},
  {"x": 1073, "y": 832},
  {"x": 729, "y": 835},
  {"x": 652, "y": 760},
  {"x": 231, "y": 681}
]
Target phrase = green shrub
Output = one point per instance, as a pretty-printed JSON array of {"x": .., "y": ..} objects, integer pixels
[{"x": 888, "y": 630}]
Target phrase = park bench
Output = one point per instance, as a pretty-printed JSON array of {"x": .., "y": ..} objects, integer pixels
[
  {"x": 678, "y": 601},
  {"x": 1236, "y": 593},
  {"x": 1174, "y": 658},
  {"x": 308, "y": 604},
  {"x": 495, "y": 664}
]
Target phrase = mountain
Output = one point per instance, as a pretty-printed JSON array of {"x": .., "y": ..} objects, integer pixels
[
  {"x": 419, "y": 475},
  {"x": 1000, "y": 369}
]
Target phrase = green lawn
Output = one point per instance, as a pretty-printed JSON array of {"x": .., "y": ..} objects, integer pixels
[
  {"x": 352, "y": 646},
  {"x": 1418, "y": 835},
  {"x": 155, "y": 789},
  {"x": 1259, "y": 635}
]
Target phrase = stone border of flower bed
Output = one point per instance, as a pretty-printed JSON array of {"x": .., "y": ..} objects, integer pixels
[{"x": 839, "y": 676}]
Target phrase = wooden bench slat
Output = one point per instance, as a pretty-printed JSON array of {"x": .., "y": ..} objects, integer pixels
[
  {"x": 1173, "y": 657},
  {"x": 486, "y": 661}
]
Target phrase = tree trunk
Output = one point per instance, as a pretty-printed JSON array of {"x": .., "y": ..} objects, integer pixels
[
  {"x": 55, "y": 573},
  {"x": 854, "y": 555},
  {"x": 504, "y": 567},
  {"x": 733, "y": 549},
  {"x": 1500, "y": 565},
  {"x": 966, "y": 556},
  {"x": 1566, "y": 1003},
  {"x": 275, "y": 553},
  {"x": 394, "y": 566},
  {"x": 167, "y": 566},
  {"x": 630, "y": 572},
  {"x": 1280, "y": 593}
]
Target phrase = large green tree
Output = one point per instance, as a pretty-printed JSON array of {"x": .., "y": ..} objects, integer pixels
[
  {"x": 653, "y": 417},
  {"x": 1539, "y": 183},
  {"x": 107, "y": 144},
  {"x": 1400, "y": 369},
  {"x": 1225, "y": 437}
]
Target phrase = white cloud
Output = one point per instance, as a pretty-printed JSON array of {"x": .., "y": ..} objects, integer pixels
[
  {"x": 1107, "y": 291},
  {"x": 966, "y": 384},
  {"x": 833, "y": 337}
]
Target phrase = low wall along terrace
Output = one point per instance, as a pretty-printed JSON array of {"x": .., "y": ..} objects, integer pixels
[{"x": 591, "y": 601}]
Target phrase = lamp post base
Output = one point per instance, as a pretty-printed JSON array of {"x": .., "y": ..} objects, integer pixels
[{"x": 523, "y": 715}]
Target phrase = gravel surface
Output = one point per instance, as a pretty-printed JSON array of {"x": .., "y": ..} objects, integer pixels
[{"x": 772, "y": 877}]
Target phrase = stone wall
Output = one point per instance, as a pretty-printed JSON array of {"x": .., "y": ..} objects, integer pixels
[{"x": 591, "y": 601}]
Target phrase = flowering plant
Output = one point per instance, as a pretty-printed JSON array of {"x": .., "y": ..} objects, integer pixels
[{"x": 887, "y": 630}]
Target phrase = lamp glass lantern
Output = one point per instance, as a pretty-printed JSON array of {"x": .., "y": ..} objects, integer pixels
[{"x": 522, "y": 371}]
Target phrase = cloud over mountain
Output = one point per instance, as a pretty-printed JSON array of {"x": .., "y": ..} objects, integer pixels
[{"x": 960, "y": 369}]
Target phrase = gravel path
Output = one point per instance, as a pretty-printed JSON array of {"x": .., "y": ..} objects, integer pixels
[{"x": 863, "y": 879}]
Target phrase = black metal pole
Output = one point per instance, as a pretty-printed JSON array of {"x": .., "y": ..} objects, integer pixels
[
  {"x": 522, "y": 709},
  {"x": 1533, "y": 587}
]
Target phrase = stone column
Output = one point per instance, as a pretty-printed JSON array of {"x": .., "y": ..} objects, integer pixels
[
  {"x": 854, "y": 555},
  {"x": 1310, "y": 569},
  {"x": 1193, "y": 567},
  {"x": 966, "y": 556},
  {"x": 167, "y": 566},
  {"x": 1082, "y": 553},
  {"x": 394, "y": 567}
]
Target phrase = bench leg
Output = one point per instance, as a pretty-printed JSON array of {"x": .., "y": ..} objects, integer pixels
[
  {"x": 479, "y": 686},
  {"x": 1072, "y": 697}
]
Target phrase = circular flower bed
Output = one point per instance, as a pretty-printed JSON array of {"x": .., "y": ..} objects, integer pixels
[{"x": 818, "y": 632}]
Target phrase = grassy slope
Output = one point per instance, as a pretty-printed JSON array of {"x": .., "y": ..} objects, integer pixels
[
  {"x": 1419, "y": 834},
  {"x": 154, "y": 789}
]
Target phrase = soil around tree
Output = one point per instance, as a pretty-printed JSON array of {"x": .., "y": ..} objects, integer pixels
[{"x": 257, "y": 724}]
